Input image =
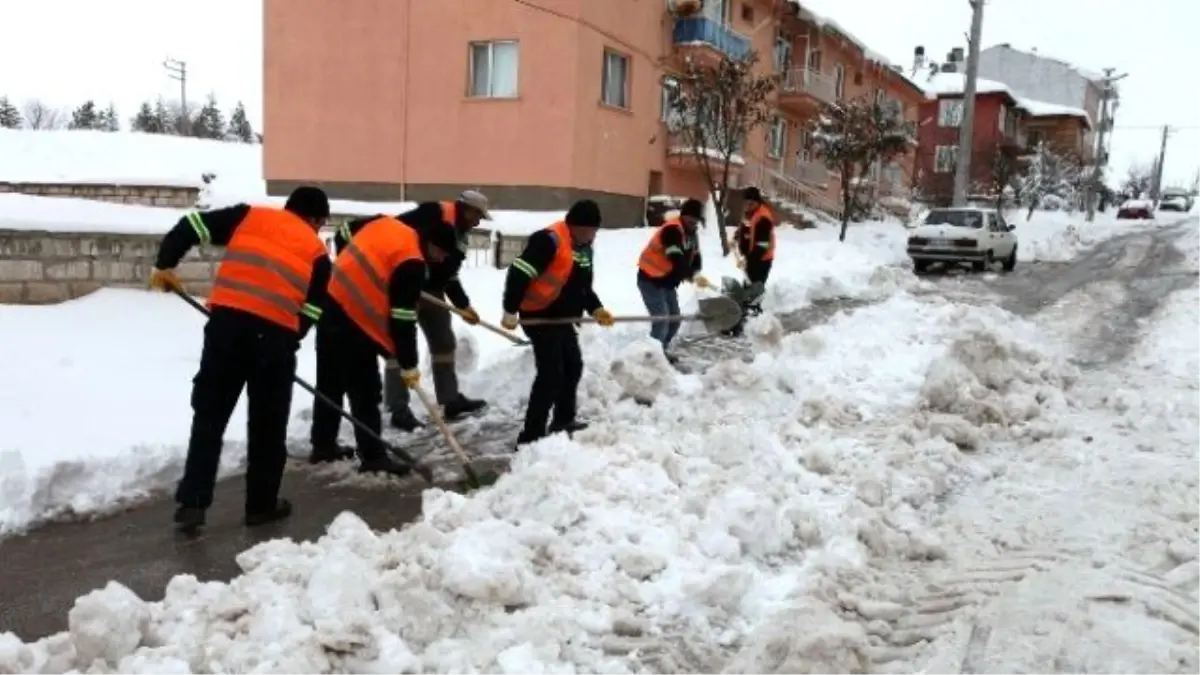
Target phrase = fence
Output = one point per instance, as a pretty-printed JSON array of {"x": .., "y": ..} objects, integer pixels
[{"x": 485, "y": 248}]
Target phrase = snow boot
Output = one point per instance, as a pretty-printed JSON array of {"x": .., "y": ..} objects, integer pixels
[
  {"x": 384, "y": 465},
  {"x": 404, "y": 420},
  {"x": 569, "y": 427},
  {"x": 525, "y": 438},
  {"x": 283, "y": 509},
  {"x": 189, "y": 520},
  {"x": 337, "y": 452},
  {"x": 460, "y": 407}
]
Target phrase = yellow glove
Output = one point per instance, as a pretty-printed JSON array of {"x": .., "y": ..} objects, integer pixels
[
  {"x": 741, "y": 263},
  {"x": 701, "y": 281},
  {"x": 509, "y": 321},
  {"x": 604, "y": 317},
  {"x": 164, "y": 281},
  {"x": 411, "y": 377},
  {"x": 470, "y": 316}
]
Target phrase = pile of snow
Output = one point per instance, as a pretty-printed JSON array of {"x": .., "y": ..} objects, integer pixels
[
  {"x": 642, "y": 371},
  {"x": 1057, "y": 236}
]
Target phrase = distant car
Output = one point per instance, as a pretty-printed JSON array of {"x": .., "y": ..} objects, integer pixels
[
  {"x": 1136, "y": 209},
  {"x": 975, "y": 235},
  {"x": 1174, "y": 204}
]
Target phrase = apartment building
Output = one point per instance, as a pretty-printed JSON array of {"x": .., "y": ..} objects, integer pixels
[
  {"x": 1043, "y": 78},
  {"x": 541, "y": 102}
]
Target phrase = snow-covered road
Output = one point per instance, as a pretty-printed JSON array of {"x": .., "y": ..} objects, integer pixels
[{"x": 939, "y": 478}]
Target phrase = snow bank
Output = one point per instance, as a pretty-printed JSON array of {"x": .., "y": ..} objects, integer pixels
[
  {"x": 1058, "y": 236},
  {"x": 720, "y": 528}
]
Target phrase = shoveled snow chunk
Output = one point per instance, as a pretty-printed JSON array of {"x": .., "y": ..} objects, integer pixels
[
  {"x": 765, "y": 331},
  {"x": 642, "y": 370},
  {"x": 107, "y": 624}
]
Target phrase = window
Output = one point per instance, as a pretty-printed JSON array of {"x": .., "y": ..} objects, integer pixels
[
  {"x": 1002, "y": 120},
  {"x": 1034, "y": 138},
  {"x": 783, "y": 53},
  {"x": 950, "y": 112},
  {"x": 944, "y": 158},
  {"x": 839, "y": 80},
  {"x": 814, "y": 60},
  {"x": 716, "y": 10},
  {"x": 494, "y": 67},
  {"x": 747, "y": 13},
  {"x": 614, "y": 81},
  {"x": 776, "y": 138},
  {"x": 669, "y": 116}
]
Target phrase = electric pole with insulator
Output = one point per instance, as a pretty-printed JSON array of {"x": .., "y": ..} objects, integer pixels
[
  {"x": 177, "y": 70},
  {"x": 966, "y": 132}
]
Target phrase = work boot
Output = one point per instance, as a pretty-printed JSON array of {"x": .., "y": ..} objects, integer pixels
[
  {"x": 569, "y": 427},
  {"x": 404, "y": 420},
  {"x": 188, "y": 519},
  {"x": 283, "y": 509},
  {"x": 527, "y": 437},
  {"x": 337, "y": 452},
  {"x": 461, "y": 406},
  {"x": 384, "y": 465}
]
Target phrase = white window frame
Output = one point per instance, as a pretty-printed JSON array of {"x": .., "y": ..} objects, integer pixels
[
  {"x": 950, "y": 112},
  {"x": 605, "y": 74},
  {"x": 783, "y": 53},
  {"x": 945, "y": 157},
  {"x": 1002, "y": 119},
  {"x": 777, "y": 138},
  {"x": 839, "y": 81},
  {"x": 487, "y": 89}
]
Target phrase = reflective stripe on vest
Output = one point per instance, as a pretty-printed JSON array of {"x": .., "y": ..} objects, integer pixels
[
  {"x": 761, "y": 213},
  {"x": 655, "y": 260},
  {"x": 267, "y": 267},
  {"x": 362, "y": 276},
  {"x": 546, "y": 287}
]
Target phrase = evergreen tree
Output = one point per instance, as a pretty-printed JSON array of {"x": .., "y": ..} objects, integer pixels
[
  {"x": 210, "y": 121},
  {"x": 164, "y": 120},
  {"x": 239, "y": 125},
  {"x": 145, "y": 121},
  {"x": 10, "y": 116},
  {"x": 85, "y": 116},
  {"x": 109, "y": 120}
]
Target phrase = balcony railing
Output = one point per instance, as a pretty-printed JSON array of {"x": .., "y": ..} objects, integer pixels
[
  {"x": 808, "y": 171},
  {"x": 702, "y": 30},
  {"x": 807, "y": 81}
]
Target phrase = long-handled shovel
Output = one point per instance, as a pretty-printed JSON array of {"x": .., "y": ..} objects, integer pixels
[
  {"x": 717, "y": 313},
  {"x": 507, "y": 335},
  {"x": 403, "y": 456},
  {"x": 474, "y": 481}
]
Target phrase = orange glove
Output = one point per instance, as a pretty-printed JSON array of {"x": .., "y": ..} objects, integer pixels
[
  {"x": 470, "y": 316},
  {"x": 604, "y": 317},
  {"x": 411, "y": 378},
  {"x": 510, "y": 321}
]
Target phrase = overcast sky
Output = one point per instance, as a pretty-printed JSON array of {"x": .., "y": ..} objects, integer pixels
[{"x": 113, "y": 51}]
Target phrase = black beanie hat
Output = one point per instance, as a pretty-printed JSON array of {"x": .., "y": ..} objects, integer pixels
[
  {"x": 752, "y": 194},
  {"x": 584, "y": 213},
  {"x": 308, "y": 202},
  {"x": 692, "y": 208}
]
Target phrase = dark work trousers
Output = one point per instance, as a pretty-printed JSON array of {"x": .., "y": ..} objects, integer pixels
[
  {"x": 347, "y": 365},
  {"x": 757, "y": 272},
  {"x": 240, "y": 351},
  {"x": 559, "y": 364},
  {"x": 435, "y": 323}
]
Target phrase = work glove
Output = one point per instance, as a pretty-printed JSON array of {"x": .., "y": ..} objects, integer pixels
[
  {"x": 470, "y": 316},
  {"x": 509, "y": 321},
  {"x": 741, "y": 263},
  {"x": 411, "y": 377},
  {"x": 604, "y": 317},
  {"x": 701, "y": 281},
  {"x": 164, "y": 281}
]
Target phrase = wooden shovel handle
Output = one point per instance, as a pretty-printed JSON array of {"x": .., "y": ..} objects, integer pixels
[
  {"x": 616, "y": 319},
  {"x": 434, "y": 300},
  {"x": 435, "y": 414}
]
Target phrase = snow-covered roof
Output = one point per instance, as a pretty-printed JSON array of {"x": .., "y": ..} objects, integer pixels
[
  {"x": 1086, "y": 73},
  {"x": 953, "y": 84}
]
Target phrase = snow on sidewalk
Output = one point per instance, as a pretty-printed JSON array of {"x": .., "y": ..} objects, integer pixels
[{"x": 720, "y": 528}]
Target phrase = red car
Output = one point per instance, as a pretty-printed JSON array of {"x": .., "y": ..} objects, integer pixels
[{"x": 1140, "y": 209}]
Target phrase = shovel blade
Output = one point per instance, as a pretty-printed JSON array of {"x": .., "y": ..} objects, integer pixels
[{"x": 719, "y": 313}]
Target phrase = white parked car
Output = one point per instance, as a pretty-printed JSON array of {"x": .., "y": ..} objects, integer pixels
[{"x": 970, "y": 234}]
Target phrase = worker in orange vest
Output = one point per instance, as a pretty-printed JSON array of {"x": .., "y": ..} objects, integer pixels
[
  {"x": 671, "y": 257},
  {"x": 373, "y": 295},
  {"x": 552, "y": 278},
  {"x": 268, "y": 291},
  {"x": 755, "y": 237}
]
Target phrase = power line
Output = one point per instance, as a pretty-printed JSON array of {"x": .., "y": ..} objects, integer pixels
[{"x": 1155, "y": 127}]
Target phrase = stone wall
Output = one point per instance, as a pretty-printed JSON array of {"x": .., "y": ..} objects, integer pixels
[
  {"x": 145, "y": 195},
  {"x": 49, "y": 267}
]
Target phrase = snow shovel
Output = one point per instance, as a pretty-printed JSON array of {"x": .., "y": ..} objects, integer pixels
[
  {"x": 474, "y": 481},
  {"x": 403, "y": 456},
  {"x": 434, "y": 300},
  {"x": 718, "y": 314}
]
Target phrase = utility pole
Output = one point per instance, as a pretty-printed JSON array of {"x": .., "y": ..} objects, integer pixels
[
  {"x": 177, "y": 70},
  {"x": 966, "y": 132},
  {"x": 1158, "y": 169},
  {"x": 1108, "y": 94}
]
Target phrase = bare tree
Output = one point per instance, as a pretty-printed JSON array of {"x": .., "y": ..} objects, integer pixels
[
  {"x": 1047, "y": 174},
  {"x": 711, "y": 109},
  {"x": 852, "y": 137},
  {"x": 1004, "y": 171},
  {"x": 1139, "y": 179},
  {"x": 39, "y": 116}
]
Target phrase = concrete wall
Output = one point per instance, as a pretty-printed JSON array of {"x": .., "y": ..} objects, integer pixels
[
  {"x": 145, "y": 195},
  {"x": 49, "y": 267}
]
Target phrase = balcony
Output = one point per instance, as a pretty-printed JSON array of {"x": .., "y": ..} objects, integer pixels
[
  {"x": 698, "y": 30},
  {"x": 808, "y": 171},
  {"x": 802, "y": 86}
]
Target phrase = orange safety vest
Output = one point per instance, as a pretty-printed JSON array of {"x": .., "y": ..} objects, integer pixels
[
  {"x": 654, "y": 260},
  {"x": 545, "y": 289},
  {"x": 752, "y": 231},
  {"x": 267, "y": 266},
  {"x": 363, "y": 271}
]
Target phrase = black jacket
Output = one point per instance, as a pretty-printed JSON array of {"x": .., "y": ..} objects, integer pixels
[
  {"x": 577, "y": 294},
  {"x": 683, "y": 250}
]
